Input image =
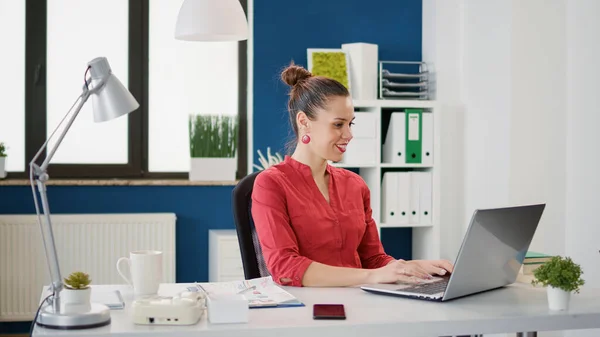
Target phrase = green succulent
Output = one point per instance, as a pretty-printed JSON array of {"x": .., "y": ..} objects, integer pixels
[
  {"x": 2, "y": 150},
  {"x": 78, "y": 280},
  {"x": 560, "y": 273}
]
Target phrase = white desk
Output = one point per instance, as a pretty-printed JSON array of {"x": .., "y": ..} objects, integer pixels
[{"x": 511, "y": 309}]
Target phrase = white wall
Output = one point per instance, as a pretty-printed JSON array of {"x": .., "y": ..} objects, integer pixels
[
  {"x": 537, "y": 135},
  {"x": 582, "y": 155},
  {"x": 442, "y": 49},
  {"x": 526, "y": 76}
]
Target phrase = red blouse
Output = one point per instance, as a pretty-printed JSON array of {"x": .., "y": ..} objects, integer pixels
[{"x": 296, "y": 225}]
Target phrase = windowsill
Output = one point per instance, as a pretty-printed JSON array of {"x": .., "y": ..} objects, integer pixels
[{"x": 120, "y": 182}]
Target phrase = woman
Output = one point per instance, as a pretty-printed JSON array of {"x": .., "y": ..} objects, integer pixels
[{"x": 314, "y": 220}]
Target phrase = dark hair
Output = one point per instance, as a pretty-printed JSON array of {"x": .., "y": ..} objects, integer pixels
[{"x": 308, "y": 94}]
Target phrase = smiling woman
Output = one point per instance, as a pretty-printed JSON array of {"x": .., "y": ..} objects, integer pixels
[{"x": 314, "y": 221}]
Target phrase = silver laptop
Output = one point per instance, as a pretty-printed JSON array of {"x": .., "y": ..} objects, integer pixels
[{"x": 490, "y": 256}]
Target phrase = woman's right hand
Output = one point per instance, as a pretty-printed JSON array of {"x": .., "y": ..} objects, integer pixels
[{"x": 399, "y": 271}]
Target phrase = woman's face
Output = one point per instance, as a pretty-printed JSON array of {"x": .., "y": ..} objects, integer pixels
[{"x": 331, "y": 131}]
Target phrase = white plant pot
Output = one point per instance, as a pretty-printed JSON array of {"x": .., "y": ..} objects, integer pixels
[
  {"x": 2, "y": 167},
  {"x": 75, "y": 296},
  {"x": 213, "y": 169},
  {"x": 558, "y": 299}
]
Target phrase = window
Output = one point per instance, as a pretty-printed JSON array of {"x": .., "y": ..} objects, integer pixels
[
  {"x": 184, "y": 78},
  {"x": 171, "y": 79},
  {"x": 12, "y": 87},
  {"x": 69, "y": 48}
]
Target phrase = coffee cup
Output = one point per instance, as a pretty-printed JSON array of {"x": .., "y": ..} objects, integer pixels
[{"x": 145, "y": 271}]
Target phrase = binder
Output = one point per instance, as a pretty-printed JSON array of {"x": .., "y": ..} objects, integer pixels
[
  {"x": 395, "y": 205},
  {"x": 425, "y": 181},
  {"x": 404, "y": 197},
  {"x": 389, "y": 205},
  {"x": 415, "y": 195},
  {"x": 427, "y": 149},
  {"x": 414, "y": 125},
  {"x": 394, "y": 146}
]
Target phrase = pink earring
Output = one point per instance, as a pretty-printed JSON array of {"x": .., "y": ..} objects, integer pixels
[{"x": 306, "y": 139}]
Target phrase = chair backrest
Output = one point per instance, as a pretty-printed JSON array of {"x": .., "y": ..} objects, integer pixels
[{"x": 252, "y": 257}]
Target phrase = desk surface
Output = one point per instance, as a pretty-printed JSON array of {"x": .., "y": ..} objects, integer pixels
[{"x": 511, "y": 309}]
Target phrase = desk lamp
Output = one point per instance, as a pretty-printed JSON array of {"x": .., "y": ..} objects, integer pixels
[{"x": 110, "y": 100}]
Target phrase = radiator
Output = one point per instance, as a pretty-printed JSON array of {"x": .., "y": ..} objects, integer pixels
[{"x": 88, "y": 242}]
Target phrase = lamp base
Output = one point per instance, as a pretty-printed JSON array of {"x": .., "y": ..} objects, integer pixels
[{"x": 95, "y": 315}]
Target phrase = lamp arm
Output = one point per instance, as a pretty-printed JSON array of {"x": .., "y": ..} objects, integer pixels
[
  {"x": 38, "y": 175},
  {"x": 84, "y": 97}
]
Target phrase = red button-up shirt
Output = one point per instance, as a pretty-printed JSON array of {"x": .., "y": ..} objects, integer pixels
[{"x": 296, "y": 225}]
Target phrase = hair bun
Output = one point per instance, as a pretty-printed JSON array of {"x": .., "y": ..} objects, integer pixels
[{"x": 294, "y": 74}]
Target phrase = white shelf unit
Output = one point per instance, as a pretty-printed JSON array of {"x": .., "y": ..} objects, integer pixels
[{"x": 425, "y": 238}]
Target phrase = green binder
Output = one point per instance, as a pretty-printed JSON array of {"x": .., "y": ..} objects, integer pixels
[{"x": 414, "y": 127}]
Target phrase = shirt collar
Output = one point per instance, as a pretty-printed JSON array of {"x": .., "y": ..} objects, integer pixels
[{"x": 305, "y": 169}]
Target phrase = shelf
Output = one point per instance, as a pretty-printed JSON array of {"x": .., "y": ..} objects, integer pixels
[
  {"x": 383, "y": 225},
  {"x": 393, "y": 103},
  {"x": 391, "y": 165},
  {"x": 345, "y": 165},
  {"x": 383, "y": 165}
]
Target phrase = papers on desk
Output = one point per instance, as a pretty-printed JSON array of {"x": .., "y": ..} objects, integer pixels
[{"x": 260, "y": 292}]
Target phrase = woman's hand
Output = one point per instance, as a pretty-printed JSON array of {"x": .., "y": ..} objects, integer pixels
[
  {"x": 434, "y": 267},
  {"x": 399, "y": 270}
]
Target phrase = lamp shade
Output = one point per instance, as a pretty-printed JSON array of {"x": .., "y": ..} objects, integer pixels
[
  {"x": 111, "y": 99},
  {"x": 211, "y": 20}
]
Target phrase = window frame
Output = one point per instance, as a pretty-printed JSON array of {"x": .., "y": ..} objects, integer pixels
[{"x": 137, "y": 166}]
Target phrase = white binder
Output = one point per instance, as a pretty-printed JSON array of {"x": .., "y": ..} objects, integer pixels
[
  {"x": 396, "y": 198},
  {"x": 427, "y": 139},
  {"x": 394, "y": 145},
  {"x": 404, "y": 197},
  {"x": 425, "y": 181},
  {"x": 415, "y": 197},
  {"x": 389, "y": 191}
]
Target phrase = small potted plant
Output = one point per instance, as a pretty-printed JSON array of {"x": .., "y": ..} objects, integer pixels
[
  {"x": 2, "y": 160},
  {"x": 77, "y": 289},
  {"x": 213, "y": 147},
  {"x": 562, "y": 277}
]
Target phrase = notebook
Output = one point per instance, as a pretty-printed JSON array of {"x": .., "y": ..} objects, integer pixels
[
  {"x": 260, "y": 292},
  {"x": 111, "y": 298}
]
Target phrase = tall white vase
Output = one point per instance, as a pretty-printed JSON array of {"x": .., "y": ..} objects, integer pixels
[
  {"x": 558, "y": 299},
  {"x": 213, "y": 169},
  {"x": 2, "y": 167}
]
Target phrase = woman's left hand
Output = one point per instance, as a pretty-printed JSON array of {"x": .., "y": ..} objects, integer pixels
[{"x": 434, "y": 267}]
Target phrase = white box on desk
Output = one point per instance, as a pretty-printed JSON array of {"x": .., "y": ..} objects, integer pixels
[
  {"x": 363, "y": 69},
  {"x": 226, "y": 308}
]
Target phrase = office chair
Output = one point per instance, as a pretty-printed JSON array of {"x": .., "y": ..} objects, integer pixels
[{"x": 252, "y": 257}]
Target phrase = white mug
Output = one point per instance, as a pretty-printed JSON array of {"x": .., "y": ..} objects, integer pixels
[{"x": 145, "y": 271}]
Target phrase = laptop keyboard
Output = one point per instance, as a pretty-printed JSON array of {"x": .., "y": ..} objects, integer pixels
[{"x": 428, "y": 288}]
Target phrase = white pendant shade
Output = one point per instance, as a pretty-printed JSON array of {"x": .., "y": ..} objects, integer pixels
[{"x": 211, "y": 20}]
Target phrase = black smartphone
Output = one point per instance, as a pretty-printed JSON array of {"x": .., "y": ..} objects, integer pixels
[{"x": 329, "y": 311}]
